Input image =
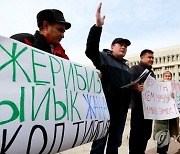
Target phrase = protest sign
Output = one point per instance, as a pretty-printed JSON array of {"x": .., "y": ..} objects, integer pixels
[
  {"x": 157, "y": 100},
  {"x": 47, "y": 104}
]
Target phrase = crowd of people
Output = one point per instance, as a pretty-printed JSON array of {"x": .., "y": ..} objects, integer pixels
[{"x": 115, "y": 73}]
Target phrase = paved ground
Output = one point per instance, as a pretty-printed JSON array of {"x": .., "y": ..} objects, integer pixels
[
  {"x": 174, "y": 148},
  {"x": 84, "y": 149}
]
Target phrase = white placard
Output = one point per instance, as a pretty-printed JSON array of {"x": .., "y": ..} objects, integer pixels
[
  {"x": 47, "y": 104},
  {"x": 157, "y": 100}
]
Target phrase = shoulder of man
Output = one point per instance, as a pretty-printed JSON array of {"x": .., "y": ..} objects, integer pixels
[
  {"x": 106, "y": 51},
  {"x": 135, "y": 68},
  {"x": 26, "y": 38}
]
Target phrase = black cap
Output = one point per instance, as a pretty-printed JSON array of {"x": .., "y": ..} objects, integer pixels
[
  {"x": 121, "y": 40},
  {"x": 51, "y": 16}
]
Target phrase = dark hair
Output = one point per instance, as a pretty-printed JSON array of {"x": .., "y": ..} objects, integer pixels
[{"x": 146, "y": 51}]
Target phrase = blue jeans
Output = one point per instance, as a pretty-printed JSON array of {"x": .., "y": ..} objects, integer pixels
[{"x": 114, "y": 137}]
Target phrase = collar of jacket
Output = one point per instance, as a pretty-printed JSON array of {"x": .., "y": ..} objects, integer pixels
[
  {"x": 41, "y": 42},
  {"x": 109, "y": 52},
  {"x": 145, "y": 65},
  {"x": 59, "y": 51}
]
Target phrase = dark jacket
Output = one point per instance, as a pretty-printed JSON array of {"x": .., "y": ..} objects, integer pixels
[
  {"x": 115, "y": 72},
  {"x": 136, "y": 71},
  {"x": 39, "y": 41}
]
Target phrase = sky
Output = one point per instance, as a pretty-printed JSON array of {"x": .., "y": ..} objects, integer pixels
[{"x": 148, "y": 24}]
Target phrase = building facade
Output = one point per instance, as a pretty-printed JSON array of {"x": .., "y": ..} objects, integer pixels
[{"x": 165, "y": 59}]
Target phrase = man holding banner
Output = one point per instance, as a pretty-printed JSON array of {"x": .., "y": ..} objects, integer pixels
[
  {"x": 48, "y": 104},
  {"x": 140, "y": 128},
  {"x": 115, "y": 74}
]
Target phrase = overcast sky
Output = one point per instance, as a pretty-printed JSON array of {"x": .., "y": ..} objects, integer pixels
[{"x": 151, "y": 24}]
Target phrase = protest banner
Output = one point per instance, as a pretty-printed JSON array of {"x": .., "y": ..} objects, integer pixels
[
  {"x": 158, "y": 103},
  {"x": 47, "y": 104}
]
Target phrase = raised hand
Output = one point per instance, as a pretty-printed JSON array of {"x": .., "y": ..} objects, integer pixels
[{"x": 99, "y": 19}]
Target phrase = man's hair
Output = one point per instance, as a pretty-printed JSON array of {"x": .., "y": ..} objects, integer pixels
[
  {"x": 167, "y": 72},
  {"x": 146, "y": 51}
]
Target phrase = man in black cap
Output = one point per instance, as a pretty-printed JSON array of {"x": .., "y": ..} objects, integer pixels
[
  {"x": 115, "y": 74},
  {"x": 52, "y": 26}
]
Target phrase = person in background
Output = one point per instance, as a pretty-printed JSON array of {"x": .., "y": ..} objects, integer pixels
[
  {"x": 172, "y": 124},
  {"x": 140, "y": 128},
  {"x": 115, "y": 74},
  {"x": 52, "y": 26}
]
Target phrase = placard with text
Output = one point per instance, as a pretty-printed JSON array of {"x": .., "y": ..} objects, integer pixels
[
  {"x": 159, "y": 100},
  {"x": 47, "y": 104}
]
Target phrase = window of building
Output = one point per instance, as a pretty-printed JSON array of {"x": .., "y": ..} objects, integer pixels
[
  {"x": 164, "y": 59},
  {"x": 159, "y": 59},
  {"x": 156, "y": 60}
]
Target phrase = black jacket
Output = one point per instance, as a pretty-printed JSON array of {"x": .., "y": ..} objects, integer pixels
[
  {"x": 39, "y": 41},
  {"x": 115, "y": 72},
  {"x": 136, "y": 71}
]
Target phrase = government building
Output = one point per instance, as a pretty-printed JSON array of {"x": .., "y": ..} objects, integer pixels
[{"x": 165, "y": 59}]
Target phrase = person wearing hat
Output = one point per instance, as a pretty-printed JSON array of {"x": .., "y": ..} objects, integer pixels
[
  {"x": 52, "y": 26},
  {"x": 115, "y": 74}
]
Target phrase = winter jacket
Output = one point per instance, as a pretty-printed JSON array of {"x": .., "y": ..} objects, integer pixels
[
  {"x": 115, "y": 72},
  {"x": 136, "y": 71},
  {"x": 39, "y": 41}
]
